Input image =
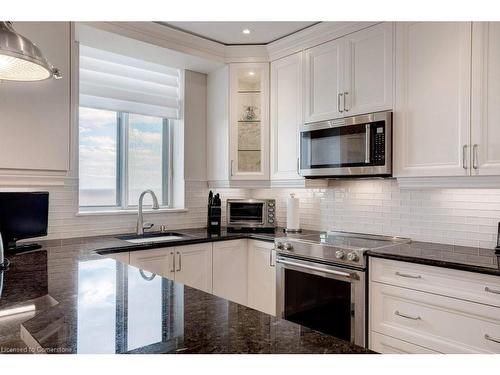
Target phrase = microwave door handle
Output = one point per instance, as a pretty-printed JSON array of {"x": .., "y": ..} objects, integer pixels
[{"x": 367, "y": 144}]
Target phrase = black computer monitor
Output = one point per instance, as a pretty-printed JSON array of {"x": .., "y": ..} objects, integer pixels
[{"x": 23, "y": 215}]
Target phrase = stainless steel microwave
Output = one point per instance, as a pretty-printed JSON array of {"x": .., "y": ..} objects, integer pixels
[
  {"x": 347, "y": 147},
  {"x": 251, "y": 214}
]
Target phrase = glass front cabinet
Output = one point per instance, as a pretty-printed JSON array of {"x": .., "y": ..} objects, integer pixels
[{"x": 249, "y": 121}]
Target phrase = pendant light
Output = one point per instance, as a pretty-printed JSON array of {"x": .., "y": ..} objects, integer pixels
[{"x": 20, "y": 59}]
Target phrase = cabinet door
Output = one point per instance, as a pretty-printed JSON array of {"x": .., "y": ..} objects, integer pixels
[
  {"x": 261, "y": 276},
  {"x": 369, "y": 70},
  {"x": 249, "y": 121},
  {"x": 230, "y": 267},
  {"x": 193, "y": 266},
  {"x": 159, "y": 261},
  {"x": 432, "y": 101},
  {"x": 35, "y": 116},
  {"x": 286, "y": 116},
  {"x": 486, "y": 98},
  {"x": 324, "y": 81}
]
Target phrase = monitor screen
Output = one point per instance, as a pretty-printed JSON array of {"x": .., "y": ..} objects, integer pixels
[{"x": 23, "y": 215}]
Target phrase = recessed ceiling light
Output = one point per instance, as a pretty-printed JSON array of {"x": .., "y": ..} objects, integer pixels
[
  {"x": 251, "y": 73},
  {"x": 246, "y": 31}
]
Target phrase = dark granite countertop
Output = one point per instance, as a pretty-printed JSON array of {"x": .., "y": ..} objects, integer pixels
[
  {"x": 440, "y": 255},
  {"x": 197, "y": 235},
  {"x": 69, "y": 299}
]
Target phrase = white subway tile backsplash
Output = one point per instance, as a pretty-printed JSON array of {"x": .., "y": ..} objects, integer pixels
[{"x": 467, "y": 217}]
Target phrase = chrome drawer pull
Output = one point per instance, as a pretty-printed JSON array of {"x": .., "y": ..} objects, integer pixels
[
  {"x": 486, "y": 289},
  {"x": 488, "y": 337},
  {"x": 407, "y": 316},
  {"x": 409, "y": 276}
]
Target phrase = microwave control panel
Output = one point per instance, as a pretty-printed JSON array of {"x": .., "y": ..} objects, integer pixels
[{"x": 379, "y": 145}]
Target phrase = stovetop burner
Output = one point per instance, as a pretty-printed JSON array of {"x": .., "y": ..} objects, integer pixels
[{"x": 335, "y": 247}]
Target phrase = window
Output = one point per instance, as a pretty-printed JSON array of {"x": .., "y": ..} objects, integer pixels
[
  {"x": 126, "y": 114},
  {"x": 121, "y": 155}
]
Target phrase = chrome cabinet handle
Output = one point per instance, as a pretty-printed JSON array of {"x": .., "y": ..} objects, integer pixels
[
  {"x": 298, "y": 165},
  {"x": 464, "y": 156},
  {"x": 312, "y": 268},
  {"x": 474, "y": 156},
  {"x": 488, "y": 337},
  {"x": 271, "y": 258},
  {"x": 339, "y": 96},
  {"x": 345, "y": 101},
  {"x": 407, "y": 316},
  {"x": 173, "y": 261},
  {"x": 180, "y": 262},
  {"x": 409, "y": 276},
  {"x": 486, "y": 289},
  {"x": 232, "y": 167}
]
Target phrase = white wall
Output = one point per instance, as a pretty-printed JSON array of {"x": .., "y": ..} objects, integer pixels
[{"x": 195, "y": 126}]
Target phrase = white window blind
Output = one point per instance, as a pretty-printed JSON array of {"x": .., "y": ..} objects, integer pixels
[{"x": 124, "y": 84}]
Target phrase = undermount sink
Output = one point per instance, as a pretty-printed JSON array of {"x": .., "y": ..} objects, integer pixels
[{"x": 152, "y": 237}]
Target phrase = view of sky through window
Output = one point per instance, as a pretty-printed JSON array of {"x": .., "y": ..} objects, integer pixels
[{"x": 99, "y": 152}]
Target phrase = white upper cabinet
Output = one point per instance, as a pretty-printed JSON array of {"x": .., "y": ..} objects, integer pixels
[
  {"x": 286, "y": 116},
  {"x": 249, "y": 121},
  {"x": 432, "y": 99},
  {"x": 35, "y": 116},
  {"x": 324, "y": 88},
  {"x": 350, "y": 75},
  {"x": 369, "y": 70},
  {"x": 485, "y": 140}
]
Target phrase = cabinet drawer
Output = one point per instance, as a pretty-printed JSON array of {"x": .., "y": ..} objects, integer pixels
[
  {"x": 439, "y": 323},
  {"x": 389, "y": 345},
  {"x": 470, "y": 286}
]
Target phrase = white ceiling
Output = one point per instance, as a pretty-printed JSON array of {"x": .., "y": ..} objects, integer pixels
[{"x": 231, "y": 32}]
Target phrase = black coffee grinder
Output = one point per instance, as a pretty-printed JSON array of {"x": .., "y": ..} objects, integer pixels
[{"x": 214, "y": 217}]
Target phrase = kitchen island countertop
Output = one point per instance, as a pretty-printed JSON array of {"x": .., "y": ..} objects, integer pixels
[{"x": 74, "y": 300}]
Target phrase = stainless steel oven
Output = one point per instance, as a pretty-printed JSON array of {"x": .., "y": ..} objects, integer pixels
[
  {"x": 326, "y": 298},
  {"x": 251, "y": 214},
  {"x": 352, "y": 146}
]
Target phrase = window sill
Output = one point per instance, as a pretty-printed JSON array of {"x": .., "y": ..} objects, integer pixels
[{"x": 94, "y": 212}]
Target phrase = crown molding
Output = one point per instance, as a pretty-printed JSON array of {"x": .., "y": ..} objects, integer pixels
[
  {"x": 167, "y": 37},
  {"x": 313, "y": 36},
  {"x": 181, "y": 41}
]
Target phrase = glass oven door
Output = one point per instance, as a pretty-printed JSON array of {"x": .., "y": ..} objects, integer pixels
[{"x": 321, "y": 297}]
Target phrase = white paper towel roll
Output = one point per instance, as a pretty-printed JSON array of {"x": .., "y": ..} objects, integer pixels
[{"x": 292, "y": 213}]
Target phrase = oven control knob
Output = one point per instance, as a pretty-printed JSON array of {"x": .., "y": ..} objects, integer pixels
[
  {"x": 353, "y": 257},
  {"x": 287, "y": 246},
  {"x": 339, "y": 254},
  {"x": 279, "y": 245}
]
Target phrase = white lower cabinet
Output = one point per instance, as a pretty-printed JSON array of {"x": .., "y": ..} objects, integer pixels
[
  {"x": 389, "y": 345},
  {"x": 190, "y": 265},
  {"x": 407, "y": 305},
  {"x": 261, "y": 276},
  {"x": 193, "y": 266},
  {"x": 230, "y": 263},
  {"x": 159, "y": 261},
  {"x": 242, "y": 271}
]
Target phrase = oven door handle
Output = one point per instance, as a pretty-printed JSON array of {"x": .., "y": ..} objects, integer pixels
[{"x": 313, "y": 268}]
